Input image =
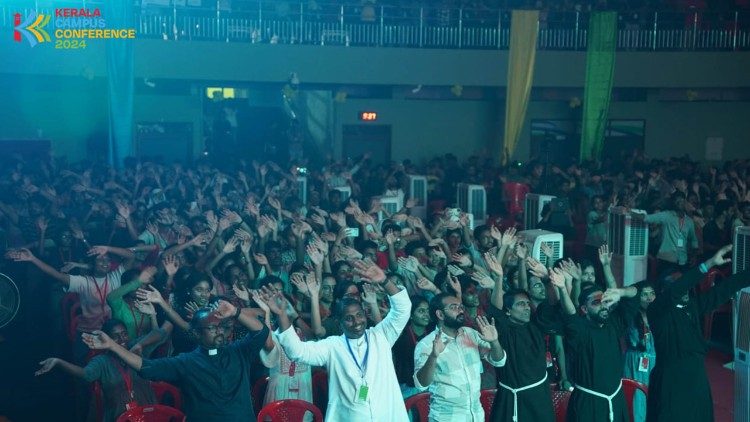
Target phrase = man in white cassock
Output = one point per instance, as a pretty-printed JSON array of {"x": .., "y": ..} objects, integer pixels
[{"x": 362, "y": 384}]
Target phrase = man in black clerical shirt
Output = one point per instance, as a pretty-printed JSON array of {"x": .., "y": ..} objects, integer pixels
[{"x": 213, "y": 378}]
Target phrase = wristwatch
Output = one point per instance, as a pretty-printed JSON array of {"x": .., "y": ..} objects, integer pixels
[{"x": 237, "y": 313}]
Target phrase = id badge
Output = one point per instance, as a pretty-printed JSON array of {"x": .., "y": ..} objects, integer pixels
[
  {"x": 550, "y": 363},
  {"x": 643, "y": 363},
  {"x": 680, "y": 242},
  {"x": 362, "y": 393}
]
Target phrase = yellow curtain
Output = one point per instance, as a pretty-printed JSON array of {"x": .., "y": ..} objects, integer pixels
[{"x": 524, "y": 28}]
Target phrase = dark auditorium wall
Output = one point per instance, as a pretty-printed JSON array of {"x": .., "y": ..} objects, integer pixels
[{"x": 421, "y": 129}]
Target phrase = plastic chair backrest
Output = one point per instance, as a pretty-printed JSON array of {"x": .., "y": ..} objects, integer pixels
[
  {"x": 70, "y": 308},
  {"x": 560, "y": 402},
  {"x": 629, "y": 387},
  {"x": 421, "y": 402},
  {"x": 487, "y": 398},
  {"x": 259, "y": 393},
  {"x": 163, "y": 391},
  {"x": 289, "y": 411},
  {"x": 709, "y": 280},
  {"x": 152, "y": 413}
]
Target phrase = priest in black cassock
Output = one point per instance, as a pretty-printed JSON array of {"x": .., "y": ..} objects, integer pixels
[
  {"x": 678, "y": 388},
  {"x": 594, "y": 345},
  {"x": 523, "y": 393}
]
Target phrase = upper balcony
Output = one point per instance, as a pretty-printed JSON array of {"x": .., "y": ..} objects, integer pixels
[{"x": 283, "y": 22}]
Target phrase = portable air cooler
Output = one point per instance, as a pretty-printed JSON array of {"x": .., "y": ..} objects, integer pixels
[
  {"x": 741, "y": 332},
  {"x": 628, "y": 241},
  {"x": 472, "y": 199},
  {"x": 534, "y": 240},
  {"x": 418, "y": 191},
  {"x": 346, "y": 192},
  {"x": 391, "y": 204},
  {"x": 532, "y": 209}
]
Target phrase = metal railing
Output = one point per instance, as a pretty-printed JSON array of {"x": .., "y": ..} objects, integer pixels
[{"x": 383, "y": 26}]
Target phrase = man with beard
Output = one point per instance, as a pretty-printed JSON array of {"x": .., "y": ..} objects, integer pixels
[
  {"x": 524, "y": 394},
  {"x": 447, "y": 362},
  {"x": 593, "y": 340},
  {"x": 679, "y": 389},
  {"x": 213, "y": 378}
]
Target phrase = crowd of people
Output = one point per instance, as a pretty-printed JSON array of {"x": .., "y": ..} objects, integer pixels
[{"x": 210, "y": 276}]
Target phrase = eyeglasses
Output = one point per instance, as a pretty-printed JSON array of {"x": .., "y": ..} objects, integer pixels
[
  {"x": 455, "y": 307},
  {"x": 212, "y": 329}
]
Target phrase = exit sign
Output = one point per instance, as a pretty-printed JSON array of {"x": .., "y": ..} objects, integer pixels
[{"x": 368, "y": 116}]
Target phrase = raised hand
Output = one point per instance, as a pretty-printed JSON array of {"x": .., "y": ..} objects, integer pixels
[
  {"x": 260, "y": 259},
  {"x": 46, "y": 366},
  {"x": 231, "y": 245},
  {"x": 611, "y": 296},
  {"x": 493, "y": 264},
  {"x": 487, "y": 329},
  {"x": 42, "y": 224},
  {"x": 462, "y": 259},
  {"x": 191, "y": 308},
  {"x": 437, "y": 345},
  {"x": 259, "y": 300},
  {"x": 224, "y": 310},
  {"x": 496, "y": 233},
  {"x": 19, "y": 255},
  {"x": 171, "y": 265},
  {"x": 557, "y": 278},
  {"x": 316, "y": 256},
  {"x": 410, "y": 264},
  {"x": 415, "y": 222},
  {"x": 536, "y": 268},
  {"x": 455, "y": 270},
  {"x": 241, "y": 292},
  {"x": 605, "y": 256},
  {"x": 423, "y": 283},
  {"x": 369, "y": 295},
  {"x": 483, "y": 279},
  {"x": 97, "y": 340},
  {"x": 299, "y": 282},
  {"x": 98, "y": 250},
  {"x": 145, "y": 307},
  {"x": 313, "y": 286},
  {"x": 369, "y": 272},
  {"x": 455, "y": 285},
  {"x": 274, "y": 203},
  {"x": 720, "y": 257},
  {"x": 509, "y": 237},
  {"x": 149, "y": 294},
  {"x": 274, "y": 299}
]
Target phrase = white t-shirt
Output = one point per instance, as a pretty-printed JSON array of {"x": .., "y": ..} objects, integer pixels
[{"x": 92, "y": 292}]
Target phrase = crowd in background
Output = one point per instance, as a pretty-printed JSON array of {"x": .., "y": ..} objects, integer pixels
[{"x": 160, "y": 242}]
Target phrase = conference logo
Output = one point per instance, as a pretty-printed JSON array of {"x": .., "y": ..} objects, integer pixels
[
  {"x": 32, "y": 28},
  {"x": 72, "y": 28}
]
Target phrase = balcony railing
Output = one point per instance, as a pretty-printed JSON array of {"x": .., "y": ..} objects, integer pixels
[{"x": 278, "y": 22}]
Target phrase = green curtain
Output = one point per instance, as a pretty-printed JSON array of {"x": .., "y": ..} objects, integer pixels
[
  {"x": 523, "y": 35},
  {"x": 600, "y": 70},
  {"x": 120, "y": 15}
]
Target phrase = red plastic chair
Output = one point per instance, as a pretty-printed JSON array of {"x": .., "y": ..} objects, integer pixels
[
  {"x": 152, "y": 413},
  {"x": 289, "y": 411},
  {"x": 259, "y": 393},
  {"x": 514, "y": 195},
  {"x": 421, "y": 402},
  {"x": 320, "y": 389},
  {"x": 163, "y": 391},
  {"x": 560, "y": 403},
  {"x": 487, "y": 398},
  {"x": 629, "y": 387}
]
